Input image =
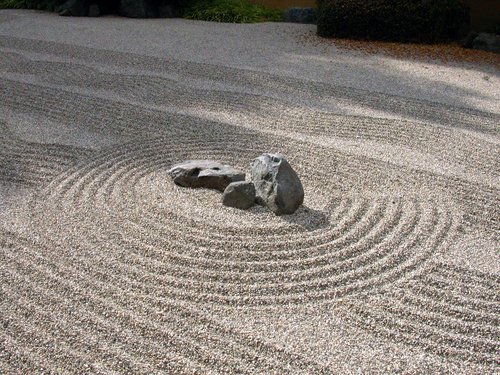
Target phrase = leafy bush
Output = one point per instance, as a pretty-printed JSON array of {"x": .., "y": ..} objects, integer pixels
[
  {"x": 105, "y": 6},
  {"x": 30, "y": 4},
  {"x": 232, "y": 11},
  {"x": 394, "y": 20}
]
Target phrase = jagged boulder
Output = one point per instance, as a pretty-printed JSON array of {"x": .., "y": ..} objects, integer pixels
[{"x": 277, "y": 185}]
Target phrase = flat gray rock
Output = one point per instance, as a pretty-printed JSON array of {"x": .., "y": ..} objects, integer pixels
[
  {"x": 239, "y": 195},
  {"x": 277, "y": 185},
  {"x": 205, "y": 174}
]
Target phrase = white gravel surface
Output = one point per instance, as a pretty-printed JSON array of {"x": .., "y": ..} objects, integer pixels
[{"x": 391, "y": 266}]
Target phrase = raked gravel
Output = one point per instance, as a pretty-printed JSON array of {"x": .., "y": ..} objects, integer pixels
[{"x": 391, "y": 265}]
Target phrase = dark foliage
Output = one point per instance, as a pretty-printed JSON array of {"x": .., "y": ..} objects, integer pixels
[
  {"x": 106, "y": 6},
  {"x": 31, "y": 4},
  {"x": 232, "y": 11},
  {"x": 392, "y": 20}
]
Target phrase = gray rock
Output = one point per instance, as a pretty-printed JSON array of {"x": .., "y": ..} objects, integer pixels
[
  {"x": 75, "y": 8},
  {"x": 205, "y": 174},
  {"x": 487, "y": 42},
  {"x": 299, "y": 15},
  {"x": 468, "y": 41},
  {"x": 239, "y": 195},
  {"x": 94, "y": 10},
  {"x": 167, "y": 11},
  {"x": 138, "y": 9},
  {"x": 277, "y": 185},
  {"x": 65, "y": 12}
]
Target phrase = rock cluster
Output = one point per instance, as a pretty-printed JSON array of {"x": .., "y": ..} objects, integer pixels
[
  {"x": 274, "y": 183},
  {"x": 126, "y": 8}
]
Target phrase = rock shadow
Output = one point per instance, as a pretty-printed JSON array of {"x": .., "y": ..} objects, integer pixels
[{"x": 308, "y": 218}]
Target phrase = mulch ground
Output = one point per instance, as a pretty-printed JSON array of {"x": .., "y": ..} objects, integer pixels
[{"x": 447, "y": 53}]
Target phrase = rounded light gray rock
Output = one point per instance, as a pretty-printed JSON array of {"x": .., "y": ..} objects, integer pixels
[
  {"x": 205, "y": 174},
  {"x": 239, "y": 195},
  {"x": 277, "y": 185}
]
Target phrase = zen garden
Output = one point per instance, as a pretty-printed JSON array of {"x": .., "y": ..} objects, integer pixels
[{"x": 249, "y": 187}]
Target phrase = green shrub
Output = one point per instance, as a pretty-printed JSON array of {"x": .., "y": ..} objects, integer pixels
[
  {"x": 30, "y": 4},
  {"x": 392, "y": 20},
  {"x": 232, "y": 11}
]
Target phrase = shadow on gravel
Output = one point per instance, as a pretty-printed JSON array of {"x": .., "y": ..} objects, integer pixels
[
  {"x": 308, "y": 218},
  {"x": 417, "y": 96}
]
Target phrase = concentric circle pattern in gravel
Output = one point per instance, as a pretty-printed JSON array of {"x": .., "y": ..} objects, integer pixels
[{"x": 108, "y": 266}]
